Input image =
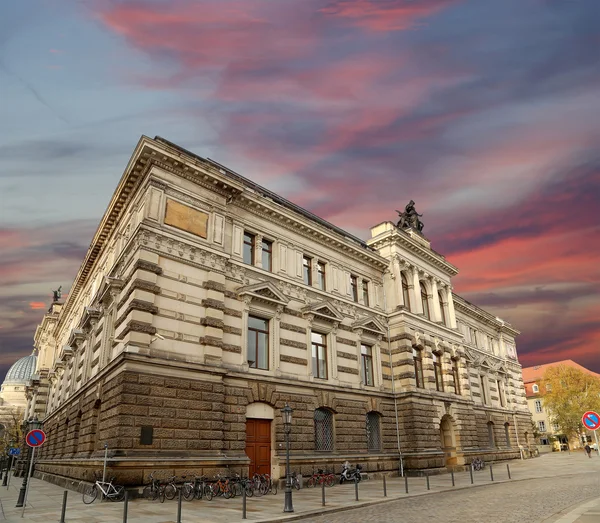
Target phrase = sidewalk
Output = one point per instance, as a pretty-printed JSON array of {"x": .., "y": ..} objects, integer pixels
[
  {"x": 588, "y": 512},
  {"x": 45, "y": 499}
]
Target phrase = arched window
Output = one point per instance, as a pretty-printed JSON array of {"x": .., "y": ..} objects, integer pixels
[
  {"x": 373, "y": 432},
  {"x": 424, "y": 301},
  {"x": 442, "y": 308},
  {"x": 405, "y": 294},
  {"x": 491, "y": 440},
  {"x": 323, "y": 429},
  {"x": 507, "y": 434}
]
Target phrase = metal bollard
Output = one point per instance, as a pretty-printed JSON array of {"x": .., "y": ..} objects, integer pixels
[
  {"x": 406, "y": 483},
  {"x": 323, "y": 493},
  {"x": 64, "y": 506},
  {"x": 471, "y": 472},
  {"x": 508, "y": 470},
  {"x": 356, "y": 487},
  {"x": 125, "y": 506},
  {"x": 384, "y": 488},
  {"x": 179, "y": 506},
  {"x": 452, "y": 475},
  {"x": 427, "y": 476},
  {"x": 243, "y": 501},
  {"x": 491, "y": 472}
]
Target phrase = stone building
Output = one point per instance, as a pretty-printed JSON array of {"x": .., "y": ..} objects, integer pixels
[{"x": 206, "y": 302}]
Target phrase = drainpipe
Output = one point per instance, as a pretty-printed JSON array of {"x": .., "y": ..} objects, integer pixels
[{"x": 393, "y": 384}]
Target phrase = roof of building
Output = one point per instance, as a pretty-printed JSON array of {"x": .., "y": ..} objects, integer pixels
[
  {"x": 22, "y": 370},
  {"x": 534, "y": 374}
]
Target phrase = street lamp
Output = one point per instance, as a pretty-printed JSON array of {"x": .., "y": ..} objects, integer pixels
[
  {"x": 286, "y": 413},
  {"x": 32, "y": 424}
]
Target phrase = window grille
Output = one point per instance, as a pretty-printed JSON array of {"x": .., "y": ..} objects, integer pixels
[
  {"x": 373, "y": 432},
  {"x": 323, "y": 430}
]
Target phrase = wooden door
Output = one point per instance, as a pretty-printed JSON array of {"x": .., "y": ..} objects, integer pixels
[{"x": 258, "y": 445}]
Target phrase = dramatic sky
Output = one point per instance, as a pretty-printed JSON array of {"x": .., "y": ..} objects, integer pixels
[{"x": 485, "y": 112}]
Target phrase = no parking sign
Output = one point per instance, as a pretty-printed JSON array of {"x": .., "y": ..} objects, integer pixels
[{"x": 591, "y": 420}]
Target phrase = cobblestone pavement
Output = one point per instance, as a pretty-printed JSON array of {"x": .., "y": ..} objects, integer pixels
[
  {"x": 539, "y": 488},
  {"x": 532, "y": 502}
]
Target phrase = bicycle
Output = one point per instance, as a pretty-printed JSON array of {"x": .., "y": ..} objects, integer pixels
[
  {"x": 295, "y": 481},
  {"x": 151, "y": 490},
  {"x": 477, "y": 464},
  {"x": 321, "y": 477},
  {"x": 108, "y": 489}
]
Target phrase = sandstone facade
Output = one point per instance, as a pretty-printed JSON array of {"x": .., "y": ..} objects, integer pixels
[{"x": 156, "y": 352}]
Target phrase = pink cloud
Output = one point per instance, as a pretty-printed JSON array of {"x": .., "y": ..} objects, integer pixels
[
  {"x": 386, "y": 15},
  {"x": 37, "y": 305}
]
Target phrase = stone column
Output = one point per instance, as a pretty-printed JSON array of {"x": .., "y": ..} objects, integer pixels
[
  {"x": 276, "y": 335},
  {"x": 309, "y": 323},
  {"x": 333, "y": 374},
  {"x": 435, "y": 301},
  {"x": 414, "y": 290},
  {"x": 451, "y": 313},
  {"x": 258, "y": 250},
  {"x": 398, "y": 296}
]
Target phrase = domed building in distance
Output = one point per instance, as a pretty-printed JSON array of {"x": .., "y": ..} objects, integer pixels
[{"x": 13, "y": 398}]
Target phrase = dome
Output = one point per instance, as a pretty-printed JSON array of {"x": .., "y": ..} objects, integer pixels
[{"x": 22, "y": 370}]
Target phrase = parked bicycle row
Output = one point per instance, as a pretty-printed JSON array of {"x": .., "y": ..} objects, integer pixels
[{"x": 202, "y": 487}]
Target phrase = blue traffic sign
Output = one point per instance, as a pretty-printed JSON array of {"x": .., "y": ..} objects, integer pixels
[
  {"x": 14, "y": 452},
  {"x": 591, "y": 420},
  {"x": 35, "y": 438}
]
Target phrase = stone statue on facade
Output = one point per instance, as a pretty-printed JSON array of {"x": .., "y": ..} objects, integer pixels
[
  {"x": 57, "y": 294},
  {"x": 410, "y": 218}
]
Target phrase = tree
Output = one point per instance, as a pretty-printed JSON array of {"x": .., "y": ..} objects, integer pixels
[{"x": 567, "y": 393}]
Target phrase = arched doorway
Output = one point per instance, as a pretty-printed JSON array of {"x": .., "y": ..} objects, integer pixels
[
  {"x": 258, "y": 437},
  {"x": 448, "y": 441}
]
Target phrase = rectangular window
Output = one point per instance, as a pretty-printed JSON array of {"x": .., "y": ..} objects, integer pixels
[
  {"x": 249, "y": 248},
  {"x": 542, "y": 426},
  {"x": 437, "y": 370},
  {"x": 319, "y": 355},
  {"x": 418, "y": 363},
  {"x": 538, "y": 406},
  {"x": 321, "y": 275},
  {"x": 354, "y": 287},
  {"x": 501, "y": 393},
  {"x": 482, "y": 386},
  {"x": 307, "y": 270},
  {"x": 455, "y": 376},
  {"x": 267, "y": 255},
  {"x": 366, "y": 354},
  {"x": 365, "y": 292},
  {"x": 258, "y": 343}
]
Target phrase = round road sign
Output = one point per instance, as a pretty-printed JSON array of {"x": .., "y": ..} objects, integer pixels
[
  {"x": 35, "y": 438},
  {"x": 591, "y": 420}
]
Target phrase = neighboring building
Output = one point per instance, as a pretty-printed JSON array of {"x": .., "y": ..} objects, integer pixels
[
  {"x": 205, "y": 303},
  {"x": 13, "y": 395},
  {"x": 550, "y": 437}
]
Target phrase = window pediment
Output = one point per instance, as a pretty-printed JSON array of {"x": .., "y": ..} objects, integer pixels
[
  {"x": 370, "y": 324},
  {"x": 264, "y": 292},
  {"x": 323, "y": 310}
]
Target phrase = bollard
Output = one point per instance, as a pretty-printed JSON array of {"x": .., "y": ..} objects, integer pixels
[
  {"x": 125, "y": 505},
  {"x": 64, "y": 507},
  {"x": 384, "y": 488},
  {"x": 427, "y": 477},
  {"x": 356, "y": 486},
  {"x": 179, "y": 506},
  {"x": 491, "y": 472},
  {"x": 452, "y": 475},
  {"x": 471, "y": 472},
  {"x": 406, "y": 483},
  {"x": 323, "y": 493},
  {"x": 508, "y": 470},
  {"x": 243, "y": 501}
]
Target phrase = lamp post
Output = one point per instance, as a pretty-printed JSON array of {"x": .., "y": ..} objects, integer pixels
[
  {"x": 286, "y": 413},
  {"x": 32, "y": 424}
]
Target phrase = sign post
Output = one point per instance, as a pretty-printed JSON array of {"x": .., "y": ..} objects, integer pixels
[
  {"x": 591, "y": 421},
  {"x": 35, "y": 438}
]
